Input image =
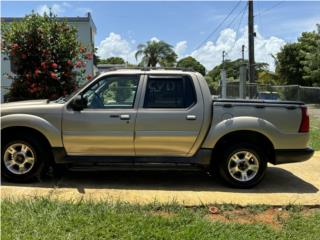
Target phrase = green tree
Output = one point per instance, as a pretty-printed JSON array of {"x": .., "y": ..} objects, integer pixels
[
  {"x": 289, "y": 64},
  {"x": 45, "y": 54},
  {"x": 298, "y": 63},
  {"x": 156, "y": 52},
  {"x": 311, "y": 65},
  {"x": 268, "y": 78},
  {"x": 190, "y": 62},
  {"x": 233, "y": 69},
  {"x": 112, "y": 60}
]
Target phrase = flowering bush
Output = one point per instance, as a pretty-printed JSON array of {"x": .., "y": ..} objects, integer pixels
[{"x": 46, "y": 56}]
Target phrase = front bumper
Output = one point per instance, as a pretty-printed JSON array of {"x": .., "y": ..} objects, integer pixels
[{"x": 292, "y": 155}]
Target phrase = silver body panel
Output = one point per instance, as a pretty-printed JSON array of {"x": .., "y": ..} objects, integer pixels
[
  {"x": 97, "y": 132},
  {"x": 278, "y": 123},
  {"x": 41, "y": 115},
  {"x": 154, "y": 132},
  {"x": 168, "y": 132}
]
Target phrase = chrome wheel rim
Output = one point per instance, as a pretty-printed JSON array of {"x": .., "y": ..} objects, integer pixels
[
  {"x": 19, "y": 158},
  {"x": 243, "y": 166}
]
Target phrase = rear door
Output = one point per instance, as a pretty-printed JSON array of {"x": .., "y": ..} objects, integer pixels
[{"x": 169, "y": 117}]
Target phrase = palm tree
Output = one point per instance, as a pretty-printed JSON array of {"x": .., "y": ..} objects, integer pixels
[{"x": 156, "y": 52}]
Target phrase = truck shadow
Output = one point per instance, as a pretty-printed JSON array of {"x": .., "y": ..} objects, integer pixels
[{"x": 277, "y": 180}]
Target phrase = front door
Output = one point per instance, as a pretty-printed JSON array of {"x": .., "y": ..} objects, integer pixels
[
  {"x": 169, "y": 117},
  {"x": 106, "y": 126}
]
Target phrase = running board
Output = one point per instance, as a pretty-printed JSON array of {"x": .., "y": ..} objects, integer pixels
[
  {"x": 134, "y": 167},
  {"x": 200, "y": 160}
]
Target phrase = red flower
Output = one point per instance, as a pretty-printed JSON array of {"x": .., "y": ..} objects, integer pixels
[
  {"x": 15, "y": 46},
  {"x": 79, "y": 64},
  {"x": 54, "y": 65},
  {"x": 89, "y": 56},
  {"x": 89, "y": 77},
  {"x": 33, "y": 88},
  {"x": 53, "y": 75},
  {"x": 37, "y": 72},
  {"x": 82, "y": 49},
  {"x": 43, "y": 65},
  {"x": 69, "y": 62}
]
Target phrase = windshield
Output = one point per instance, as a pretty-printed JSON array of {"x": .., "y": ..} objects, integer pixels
[{"x": 66, "y": 98}]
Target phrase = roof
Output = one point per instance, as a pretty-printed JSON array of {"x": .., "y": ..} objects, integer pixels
[
  {"x": 88, "y": 19},
  {"x": 111, "y": 65},
  {"x": 147, "y": 70}
]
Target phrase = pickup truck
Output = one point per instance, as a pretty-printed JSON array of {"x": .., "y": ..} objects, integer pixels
[{"x": 152, "y": 119}]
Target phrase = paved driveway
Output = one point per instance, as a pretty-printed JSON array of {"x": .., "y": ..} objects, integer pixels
[{"x": 287, "y": 184}]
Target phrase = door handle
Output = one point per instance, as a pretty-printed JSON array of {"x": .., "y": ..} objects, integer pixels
[
  {"x": 124, "y": 116},
  {"x": 191, "y": 117}
]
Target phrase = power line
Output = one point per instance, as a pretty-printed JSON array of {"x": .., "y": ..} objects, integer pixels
[
  {"x": 241, "y": 18},
  {"x": 269, "y": 9},
  {"x": 216, "y": 29},
  {"x": 260, "y": 24},
  {"x": 236, "y": 16},
  {"x": 243, "y": 12}
]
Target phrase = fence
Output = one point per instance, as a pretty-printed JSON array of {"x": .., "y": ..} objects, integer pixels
[{"x": 281, "y": 92}]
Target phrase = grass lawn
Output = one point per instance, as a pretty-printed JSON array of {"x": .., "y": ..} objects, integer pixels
[
  {"x": 49, "y": 219},
  {"x": 315, "y": 133}
]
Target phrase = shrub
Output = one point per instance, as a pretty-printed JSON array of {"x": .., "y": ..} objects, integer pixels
[{"x": 46, "y": 57}]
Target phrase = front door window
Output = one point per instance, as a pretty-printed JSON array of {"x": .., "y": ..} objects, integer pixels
[{"x": 113, "y": 92}]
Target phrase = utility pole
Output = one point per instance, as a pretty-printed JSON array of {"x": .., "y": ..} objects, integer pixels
[
  {"x": 223, "y": 56},
  {"x": 251, "y": 35},
  {"x": 242, "y": 51},
  {"x": 243, "y": 76},
  {"x": 223, "y": 76}
]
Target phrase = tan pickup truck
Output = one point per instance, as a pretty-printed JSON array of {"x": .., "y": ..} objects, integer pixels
[{"x": 152, "y": 119}]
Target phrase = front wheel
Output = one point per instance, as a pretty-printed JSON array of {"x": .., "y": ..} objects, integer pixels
[
  {"x": 23, "y": 159},
  {"x": 242, "y": 165}
]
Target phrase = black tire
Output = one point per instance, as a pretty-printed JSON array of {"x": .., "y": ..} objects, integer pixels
[
  {"x": 41, "y": 158},
  {"x": 225, "y": 162}
]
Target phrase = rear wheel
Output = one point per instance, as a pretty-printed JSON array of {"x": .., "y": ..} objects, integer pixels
[
  {"x": 23, "y": 159},
  {"x": 242, "y": 165}
]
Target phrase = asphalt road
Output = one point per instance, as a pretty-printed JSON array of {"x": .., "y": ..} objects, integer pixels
[{"x": 297, "y": 183}]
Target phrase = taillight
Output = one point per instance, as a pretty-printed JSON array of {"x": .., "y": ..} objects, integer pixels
[{"x": 304, "y": 125}]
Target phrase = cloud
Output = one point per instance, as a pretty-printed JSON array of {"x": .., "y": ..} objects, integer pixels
[
  {"x": 210, "y": 54},
  {"x": 154, "y": 39},
  {"x": 56, "y": 9},
  {"x": 115, "y": 46},
  {"x": 180, "y": 49}
]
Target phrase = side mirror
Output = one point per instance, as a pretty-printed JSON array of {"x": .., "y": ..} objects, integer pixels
[{"x": 79, "y": 103}]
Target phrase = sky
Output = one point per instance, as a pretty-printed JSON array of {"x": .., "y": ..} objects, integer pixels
[{"x": 192, "y": 28}]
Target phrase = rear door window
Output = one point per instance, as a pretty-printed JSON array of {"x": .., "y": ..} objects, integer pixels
[{"x": 169, "y": 92}]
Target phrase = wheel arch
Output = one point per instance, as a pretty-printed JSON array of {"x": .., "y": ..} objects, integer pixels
[
  {"x": 21, "y": 130},
  {"x": 51, "y": 132},
  {"x": 248, "y": 136}
]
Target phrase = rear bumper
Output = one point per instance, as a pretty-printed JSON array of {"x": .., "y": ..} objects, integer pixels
[{"x": 292, "y": 155}]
